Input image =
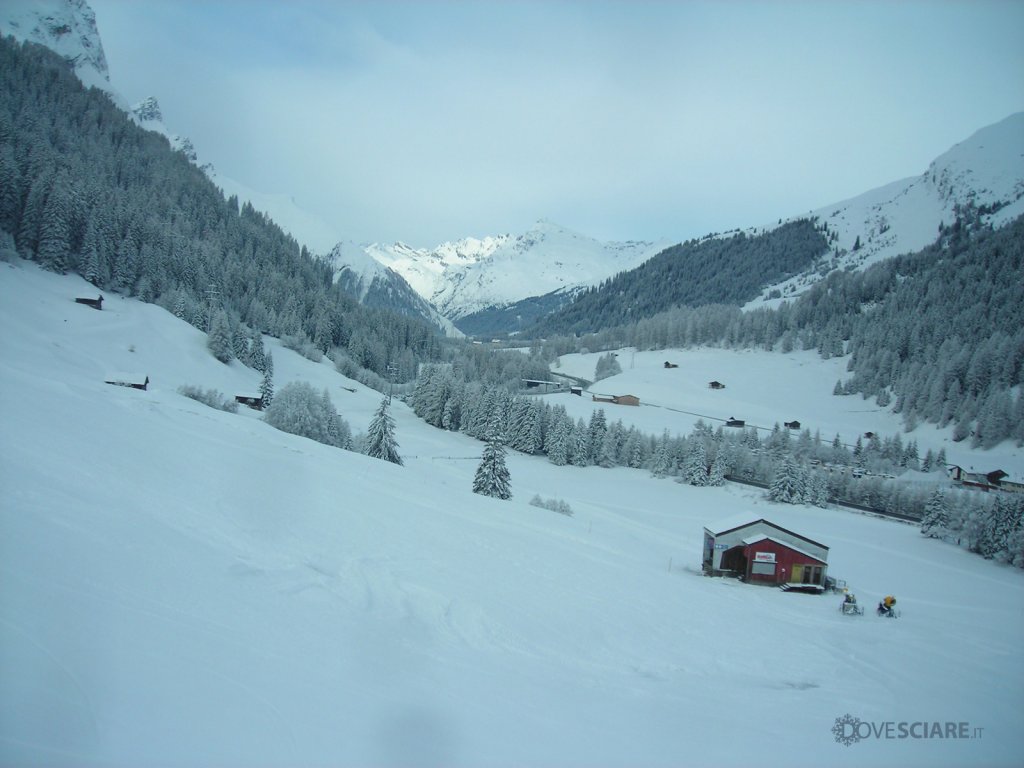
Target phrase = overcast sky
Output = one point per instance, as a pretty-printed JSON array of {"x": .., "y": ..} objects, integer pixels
[{"x": 428, "y": 121}]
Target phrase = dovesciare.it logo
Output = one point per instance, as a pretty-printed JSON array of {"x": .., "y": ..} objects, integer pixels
[{"x": 849, "y": 730}]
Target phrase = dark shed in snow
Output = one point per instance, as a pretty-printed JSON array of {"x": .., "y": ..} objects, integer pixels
[
  {"x": 133, "y": 380},
  {"x": 96, "y": 303}
]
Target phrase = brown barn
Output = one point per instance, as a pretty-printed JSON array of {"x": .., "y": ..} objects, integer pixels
[
  {"x": 761, "y": 552},
  {"x": 617, "y": 399}
]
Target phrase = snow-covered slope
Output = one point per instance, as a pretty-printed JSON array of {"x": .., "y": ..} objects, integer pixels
[
  {"x": 985, "y": 171},
  {"x": 375, "y": 285},
  {"x": 469, "y": 275},
  {"x": 183, "y": 586},
  {"x": 67, "y": 27}
]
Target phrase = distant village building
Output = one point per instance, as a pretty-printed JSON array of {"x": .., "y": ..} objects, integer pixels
[
  {"x": 761, "y": 552},
  {"x": 96, "y": 303},
  {"x": 544, "y": 386},
  {"x": 576, "y": 391},
  {"x": 716, "y": 385},
  {"x": 251, "y": 399},
  {"x": 133, "y": 380},
  {"x": 617, "y": 399},
  {"x": 731, "y": 422},
  {"x": 791, "y": 424},
  {"x": 996, "y": 480},
  {"x": 670, "y": 365}
]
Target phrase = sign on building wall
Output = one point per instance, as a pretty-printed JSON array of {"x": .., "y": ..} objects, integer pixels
[{"x": 764, "y": 557}]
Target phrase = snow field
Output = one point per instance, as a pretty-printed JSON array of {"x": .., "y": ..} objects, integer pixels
[{"x": 180, "y": 585}]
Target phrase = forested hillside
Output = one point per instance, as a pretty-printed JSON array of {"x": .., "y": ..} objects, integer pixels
[
  {"x": 940, "y": 332},
  {"x": 84, "y": 189},
  {"x": 715, "y": 270}
]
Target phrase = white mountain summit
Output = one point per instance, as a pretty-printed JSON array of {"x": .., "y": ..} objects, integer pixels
[
  {"x": 984, "y": 171},
  {"x": 469, "y": 275},
  {"x": 67, "y": 27}
]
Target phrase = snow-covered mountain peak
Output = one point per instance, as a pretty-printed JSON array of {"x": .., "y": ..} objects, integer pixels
[
  {"x": 374, "y": 284},
  {"x": 465, "y": 276},
  {"x": 984, "y": 172},
  {"x": 67, "y": 27},
  {"x": 986, "y": 169}
]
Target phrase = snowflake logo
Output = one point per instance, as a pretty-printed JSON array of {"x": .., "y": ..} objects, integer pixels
[{"x": 845, "y": 730}]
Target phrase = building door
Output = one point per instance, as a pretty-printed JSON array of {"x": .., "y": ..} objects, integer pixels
[{"x": 797, "y": 576}]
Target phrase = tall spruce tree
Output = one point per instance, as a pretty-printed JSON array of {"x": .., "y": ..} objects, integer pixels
[
  {"x": 788, "y": 484},
  {"x": 380, "y": 437},
  {"x": 492, "y": 477}
]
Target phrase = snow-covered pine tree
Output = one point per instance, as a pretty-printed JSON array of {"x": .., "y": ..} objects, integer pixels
[
  {"x": 662, "y": 457},
  {"x": 267, "y": 382},
  {"x": 695, "y": 470},
  {"x": 788, "y": 485},
  {"x": 559, "y": 441},
  {"x": 607, "y": 455},
  {"x": 633, "y": 450},
  {"x": 598, "y": 426},
  {"x": 716, "y": 476},
  {"x": 338, "y": 431},
  {"x": 257, "y": 351},
  {"x": 816, "y": 489},
  {"x": 581, "y": 450},
  {"x": 492, "y": 477},
  {"x": 219, "y": 339},
  {"x": 935, "y": 523},
  {"x": 927, "y": 463},
  {"x": 180, "y": 307},
  {"x": 380, "y": 437}
]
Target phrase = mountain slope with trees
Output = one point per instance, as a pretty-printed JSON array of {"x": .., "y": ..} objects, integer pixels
[
  {"x": 714, "y": 270},
  {"x": 937, "y": 334},
  {"x": 84, "y": 189}
]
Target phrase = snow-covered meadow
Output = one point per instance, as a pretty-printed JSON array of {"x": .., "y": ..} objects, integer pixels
[
  {"x": 180, "y": 585},
  {"x": 763, "y": 389}
]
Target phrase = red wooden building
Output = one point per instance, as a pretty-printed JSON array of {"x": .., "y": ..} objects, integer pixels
[{"x": 761, "y": 552}]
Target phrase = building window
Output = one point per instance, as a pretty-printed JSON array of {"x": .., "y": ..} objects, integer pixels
[{"x": 762, "y": 569}]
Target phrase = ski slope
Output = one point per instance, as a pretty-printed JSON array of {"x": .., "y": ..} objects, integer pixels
[{"x": 183, "y": 586}]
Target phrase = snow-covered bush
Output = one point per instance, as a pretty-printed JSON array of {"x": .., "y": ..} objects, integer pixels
[
  {"x": 210, "y": 397},
  {"x": 555, "y": 505},
  {"x": 607, "y": 365},
  {"x": 299, "y": 410}
]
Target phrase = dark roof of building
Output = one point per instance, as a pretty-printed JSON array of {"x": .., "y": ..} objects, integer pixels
[{"x": 733, "y": 524}]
